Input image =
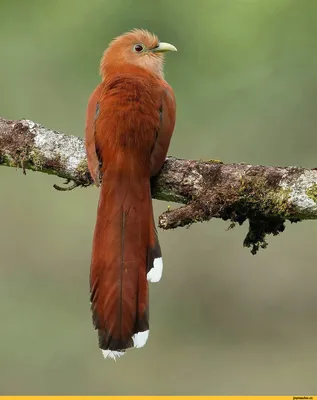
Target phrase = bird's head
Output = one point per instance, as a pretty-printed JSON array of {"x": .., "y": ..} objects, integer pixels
[{"x": 137, "y": 47}]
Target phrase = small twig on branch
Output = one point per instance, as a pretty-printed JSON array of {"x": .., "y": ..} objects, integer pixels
[{"x": 266, "y": 196}]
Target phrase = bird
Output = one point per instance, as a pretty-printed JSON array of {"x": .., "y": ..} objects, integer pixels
[{"x": 130, "y": 120}]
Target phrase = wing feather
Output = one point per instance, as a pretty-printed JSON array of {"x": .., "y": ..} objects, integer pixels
[
  {"x": 168, "y": 116},
  {"x": 92, "y": 114}
]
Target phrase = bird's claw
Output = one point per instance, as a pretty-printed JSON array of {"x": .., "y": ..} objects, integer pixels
[
  {"x": 71, "y": 187},
  {"x": 68, "y": 188}
]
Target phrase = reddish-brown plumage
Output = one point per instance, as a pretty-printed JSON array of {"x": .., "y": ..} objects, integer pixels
[{"x": 130, "y": 120}]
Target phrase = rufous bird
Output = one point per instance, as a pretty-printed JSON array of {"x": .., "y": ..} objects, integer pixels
[{"x": 129, "y": 124}]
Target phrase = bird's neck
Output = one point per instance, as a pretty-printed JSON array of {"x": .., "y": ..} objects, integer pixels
[{"x": 127, "y": 69}]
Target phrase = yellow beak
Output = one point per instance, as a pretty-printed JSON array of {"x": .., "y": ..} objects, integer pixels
[{"x": 162, "y": 47}]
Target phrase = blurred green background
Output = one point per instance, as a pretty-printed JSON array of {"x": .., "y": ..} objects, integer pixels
[{"x": 222, "y": 321}]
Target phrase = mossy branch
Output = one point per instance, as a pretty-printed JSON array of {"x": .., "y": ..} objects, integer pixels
[{"x": 265, "y": 196}]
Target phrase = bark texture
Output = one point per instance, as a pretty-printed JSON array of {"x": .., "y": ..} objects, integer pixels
[{"x": 265, "y": 196}]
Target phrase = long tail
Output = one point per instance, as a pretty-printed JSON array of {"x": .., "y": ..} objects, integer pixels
[{"x": 126, "y": 254}]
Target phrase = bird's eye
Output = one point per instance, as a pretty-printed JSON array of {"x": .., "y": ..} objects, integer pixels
[{"x": 138, "y": 48}]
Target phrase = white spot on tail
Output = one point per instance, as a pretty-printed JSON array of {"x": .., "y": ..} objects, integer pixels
[
  {"x": 155, "y": 273},
  {"x": 140, "y": 338},
  {"x": 112, "y": 354}
]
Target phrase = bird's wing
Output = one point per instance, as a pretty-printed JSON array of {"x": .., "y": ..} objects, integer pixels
[
  {"x": 168, "y": 114},
  {"x": 90, "y": 140}
]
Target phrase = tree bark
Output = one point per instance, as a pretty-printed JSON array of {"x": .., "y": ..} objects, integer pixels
[{"x": 265, "y": 196}]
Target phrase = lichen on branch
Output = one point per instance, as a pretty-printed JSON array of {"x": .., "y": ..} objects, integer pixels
[{"x": 265, "y": 196}]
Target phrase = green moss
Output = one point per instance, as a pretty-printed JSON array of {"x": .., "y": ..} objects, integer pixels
[
  {"x": 266, "y": 206},
  {"x": 212, "y": 161},
  {"x": 164, "y": 194},
  {"x": 37, "y": 160},
  {"x": 8, "y": 161},
  {"x": 82, "y": 167},
  {"x": 312, "y": 192},
  {"x": 261, "y": 198},
  {"x": 82, "y": 173}
]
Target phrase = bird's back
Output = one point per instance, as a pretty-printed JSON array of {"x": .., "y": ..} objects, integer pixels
[{"x": 129, "y": 118}]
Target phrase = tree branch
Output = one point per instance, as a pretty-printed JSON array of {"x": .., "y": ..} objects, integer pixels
[{"x": 266, "y": 196}]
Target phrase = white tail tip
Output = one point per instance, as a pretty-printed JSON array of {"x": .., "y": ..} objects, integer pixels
[
  {"x": 140, "y": 338},
  {"x": 155, "y": 273},
  {"x": 112, "y": 354}
]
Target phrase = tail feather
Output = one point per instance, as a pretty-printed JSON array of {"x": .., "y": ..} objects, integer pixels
[
  {"x": 154, "y": 257},
  {"x": 125, "y": 251}
]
